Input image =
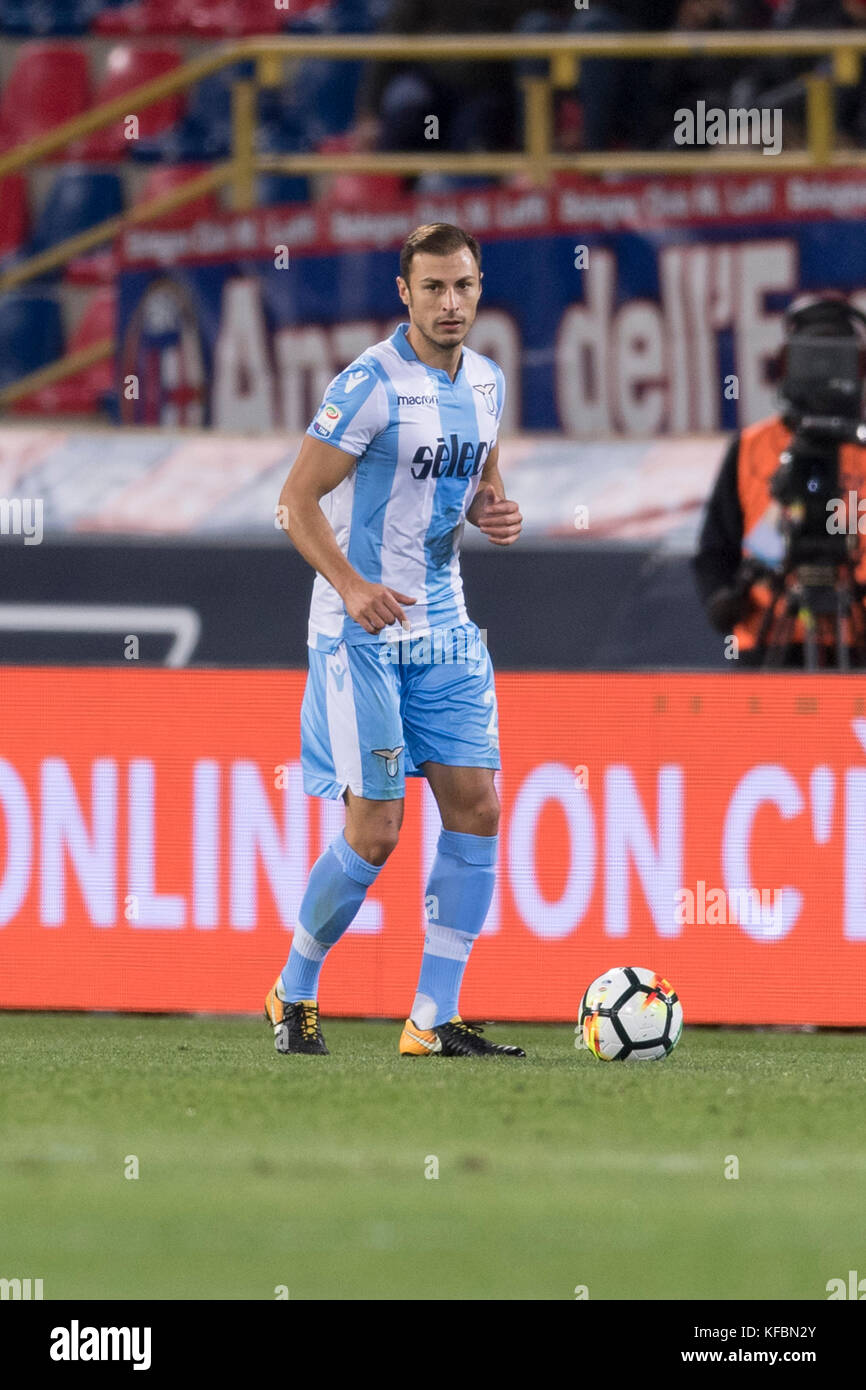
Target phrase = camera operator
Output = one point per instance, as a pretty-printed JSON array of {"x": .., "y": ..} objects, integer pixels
[{"x": 769, "y": 568}]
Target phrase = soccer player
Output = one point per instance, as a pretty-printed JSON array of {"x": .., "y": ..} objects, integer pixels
[{"x": 403, "y": 451}]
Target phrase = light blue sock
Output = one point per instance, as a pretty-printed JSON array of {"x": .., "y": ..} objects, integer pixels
[
  {"x": 337, "y": 886},
  {"x": 458, "y": 896}
]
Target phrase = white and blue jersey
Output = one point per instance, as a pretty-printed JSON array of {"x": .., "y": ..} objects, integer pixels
[
  {"x": 420, "y": 441},
  {"x": 377, "y": 706}
]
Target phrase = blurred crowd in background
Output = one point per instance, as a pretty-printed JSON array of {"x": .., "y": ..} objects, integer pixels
[
  {"x": 384, "y": 105},
  {"x": 59, "y": 58},
  {"x": 619, "y": 104}
]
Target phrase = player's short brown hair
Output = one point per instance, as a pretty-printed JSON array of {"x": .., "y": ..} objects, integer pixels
[{"x": 436, "y": 239}]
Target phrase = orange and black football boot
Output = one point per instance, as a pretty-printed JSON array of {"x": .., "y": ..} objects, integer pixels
[
  {"x": 452, "y": 1039},
  {"x": 296, "y": 1026}
]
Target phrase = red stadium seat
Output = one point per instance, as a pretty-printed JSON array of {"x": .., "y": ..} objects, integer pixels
[
  {"x": 80, "y": 394},
  {"x": 49, "y": 84},
  {"x": 94, "y": 268},
  {"x": 355, "y": 192},
  {"x": 308, "y": 12},
  {"x": 163, "y": 178},
  {"x": 233, "y": 18},
  {"x": 210, "y": 18},
  {"x": 149, "y": 17},
  {"x": 101, "y": 267},
  {"x": 31, "y": 334},
  {"x": 13, "y": 213},
  {"x": 128, "y": 67},
  {"x": 80, "y": 198}
]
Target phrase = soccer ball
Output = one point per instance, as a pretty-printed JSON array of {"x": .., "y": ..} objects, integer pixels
[{"x": 630, "y": 1015}]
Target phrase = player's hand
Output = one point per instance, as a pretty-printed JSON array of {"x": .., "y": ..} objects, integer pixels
[
  {"x": 498, "y": 519},
  {"x": 374, "y": 606}
]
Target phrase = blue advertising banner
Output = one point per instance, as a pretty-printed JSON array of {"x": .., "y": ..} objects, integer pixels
[{"x": 634, "y": 308}]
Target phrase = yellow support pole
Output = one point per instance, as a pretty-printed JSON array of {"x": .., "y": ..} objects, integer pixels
[
  {"x": 538, "y": 127},
  {"x": 622, "y": 161},
  {"x": 819, "y": 117},
  {"x": 98, "y": 117},
  {"x": 846, "y": 67},
  {"x": 375, "y": 162},
  {"x": 269, "y": 69},
  {"x": 83, "y": 242},
  {"x": 564, "y": 70},
  {"x": 64, "y": 367},
  {"x": 243, "y": 145}
]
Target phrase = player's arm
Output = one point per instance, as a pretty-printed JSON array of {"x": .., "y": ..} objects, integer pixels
[
  {"x": 490, "y": 510},
  {"x": 317, "y": 470}
]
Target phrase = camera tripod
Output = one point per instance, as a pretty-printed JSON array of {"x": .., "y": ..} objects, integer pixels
[{"x": 827, "y": 598}]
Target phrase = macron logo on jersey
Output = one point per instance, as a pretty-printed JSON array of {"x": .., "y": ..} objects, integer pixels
[
  {"x": 354, "y": 379},
  {"x": 429, "y": 396}
]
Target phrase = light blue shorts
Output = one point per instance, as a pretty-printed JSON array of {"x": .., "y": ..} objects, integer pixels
[{"x": 374, "y": 712}]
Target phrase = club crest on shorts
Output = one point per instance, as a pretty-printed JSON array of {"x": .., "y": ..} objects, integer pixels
[{"x": 391, "y": 756}]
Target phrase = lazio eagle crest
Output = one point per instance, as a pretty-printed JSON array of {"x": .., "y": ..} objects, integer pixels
[{"x": 391, "y": 756}]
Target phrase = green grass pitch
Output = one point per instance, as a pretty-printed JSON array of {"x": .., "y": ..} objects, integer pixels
[{"x": 258, "y": 1171}]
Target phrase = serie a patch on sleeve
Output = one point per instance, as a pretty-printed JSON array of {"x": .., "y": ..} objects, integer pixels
[{"x": 327, "y": 420}]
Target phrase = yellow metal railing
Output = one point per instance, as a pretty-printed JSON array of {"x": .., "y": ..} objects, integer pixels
[{"x": 563, "y": 52}]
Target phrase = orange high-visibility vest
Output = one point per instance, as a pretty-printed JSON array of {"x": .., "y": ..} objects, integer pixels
[{"x": 760, "y": 448}]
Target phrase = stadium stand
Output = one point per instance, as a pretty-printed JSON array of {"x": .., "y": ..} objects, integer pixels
[
  {"x": 87, "y": 391},
  {"x": 14, "y": 218},
  {"x": 148, "y": 17},
  {"x": 49, "y": 84},
  {"x": 164, "y": 177},
  {"x": 31, "y": 334},
  {"x": 220, "y": 19},
  {"x": 37, "y": 17},
  {"x": 355, "y": 191},
  {"x": 236, "y": 18},
  {"x": 101, "y": 267},
  {"x": 205, "y": 130},
  {"x": 63, "y": 63},
  {"x": 128, "y": 66},
  {"x": 79, "y": 198},
  {"x": 225, "y": 19}
]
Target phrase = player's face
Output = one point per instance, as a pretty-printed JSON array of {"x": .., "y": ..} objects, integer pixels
[{"x": 442, "y": 296}]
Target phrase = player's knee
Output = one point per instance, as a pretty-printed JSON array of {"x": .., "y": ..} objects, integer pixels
[
  {"x": 483, "y": 815},
  {"x": 379, "y": 843},
  {"x": 376, "y": 836}
]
